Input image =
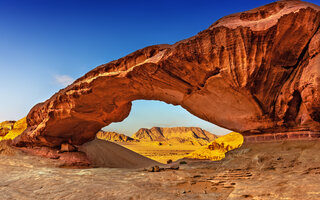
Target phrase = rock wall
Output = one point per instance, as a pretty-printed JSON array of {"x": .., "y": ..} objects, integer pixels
[{"x": 254, "y": 72}]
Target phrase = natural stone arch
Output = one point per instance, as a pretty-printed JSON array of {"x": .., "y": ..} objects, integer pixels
[{"x": 252, "y": 72}]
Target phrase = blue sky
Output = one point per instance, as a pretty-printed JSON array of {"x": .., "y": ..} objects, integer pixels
[{"x": 46, "y": 44}]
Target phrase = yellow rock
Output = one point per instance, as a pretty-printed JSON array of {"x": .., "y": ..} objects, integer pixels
[
  {"x": 18, "y": 127},
  {"x": 216, "y": 149}
]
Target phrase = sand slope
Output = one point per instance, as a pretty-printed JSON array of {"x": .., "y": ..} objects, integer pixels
[{"x": 107, "y": 154}]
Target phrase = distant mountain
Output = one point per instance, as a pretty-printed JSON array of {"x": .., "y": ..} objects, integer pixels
[
  {"x": 176, "y": 135},
  {"x": 114, "y": 137}
]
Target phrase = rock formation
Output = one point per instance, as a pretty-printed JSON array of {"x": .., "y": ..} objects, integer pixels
[
  {"x": 176, "y": 135},
  {"x": 114, "y": 137},
  {"x": 5, "y": 127},
  {"x": 217, "y": 149},
  {"x": 11, "y": 129},
  {"x": 253, "y": 72}
]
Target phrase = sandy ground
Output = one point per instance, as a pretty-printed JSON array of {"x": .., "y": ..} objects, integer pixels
[
  {"x": 160, "y": 153},
  {"x": 108, "y": 154},
  {"x": 286, "y": 170}
]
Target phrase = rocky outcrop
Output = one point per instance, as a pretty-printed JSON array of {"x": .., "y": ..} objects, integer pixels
[
  {"x": 66, "y": 158},
  {"x": 5, "y": 127},
  {"x": 176, "y": 135},
  {"x": 253, "y": 72},
  {"x": 11, "y": 129},
  {"x": 217, "y": 149},
  {"x": 114, "y": 137}
]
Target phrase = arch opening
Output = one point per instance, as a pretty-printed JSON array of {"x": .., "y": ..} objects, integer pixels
[
  {"x": 161, "y": 131},
  {"x": 150, "y": 113}
]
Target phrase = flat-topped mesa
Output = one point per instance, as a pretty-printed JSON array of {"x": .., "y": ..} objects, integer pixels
[
  {"x": 254, "y": 72},
  {"x": 175, "y": 135}
]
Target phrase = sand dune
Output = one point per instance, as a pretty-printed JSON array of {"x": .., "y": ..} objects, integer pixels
[{"x": 107, "y": 154}]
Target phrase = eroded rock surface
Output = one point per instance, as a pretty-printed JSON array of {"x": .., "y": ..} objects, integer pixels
[
  {"x": 253, "y": 72},
  {"x": 11, "y": 129},
  {"x": 5, "y": 127},
  {"x": 217, "y": 149}
]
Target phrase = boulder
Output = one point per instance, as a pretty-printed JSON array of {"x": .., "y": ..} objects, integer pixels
[{"x": 65, "y": 147}]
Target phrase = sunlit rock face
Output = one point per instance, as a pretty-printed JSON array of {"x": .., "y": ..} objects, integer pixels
[
  {"x": 175, "y": 135},
  {"x": 217, "y": 149},
  {"x": 254, "y": 72},
  {"x": 114, "y": 137},
  {"x": 11, "y": 129}
]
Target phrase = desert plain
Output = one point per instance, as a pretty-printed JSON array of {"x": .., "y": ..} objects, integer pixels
[{"x": 283, "y": 170}]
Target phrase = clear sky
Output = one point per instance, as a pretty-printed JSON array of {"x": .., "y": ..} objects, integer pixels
[{"x": 46, "y": 44}]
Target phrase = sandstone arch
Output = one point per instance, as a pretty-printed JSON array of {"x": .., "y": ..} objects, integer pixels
[{"x": 251, "y": 72}]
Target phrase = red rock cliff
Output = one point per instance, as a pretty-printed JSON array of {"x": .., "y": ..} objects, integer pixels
[{"x": 253, "y": 72}]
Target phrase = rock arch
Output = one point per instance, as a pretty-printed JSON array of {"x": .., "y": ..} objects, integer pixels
[{"x": 254, "y": 72}]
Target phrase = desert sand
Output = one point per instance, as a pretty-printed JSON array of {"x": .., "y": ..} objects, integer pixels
[
  {"x": 280, "y": 170},
  {"x": 162, "y": 143},
  {"x": 214, "y": 150},
  {"x": 108, "y": 154},
  {"x": 160, "y": 153}
]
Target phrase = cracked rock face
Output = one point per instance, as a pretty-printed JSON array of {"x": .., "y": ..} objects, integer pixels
[{"x": 254, "y": 72}]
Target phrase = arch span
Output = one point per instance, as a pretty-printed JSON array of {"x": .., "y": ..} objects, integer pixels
[{"x": 251, "y": 72}]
